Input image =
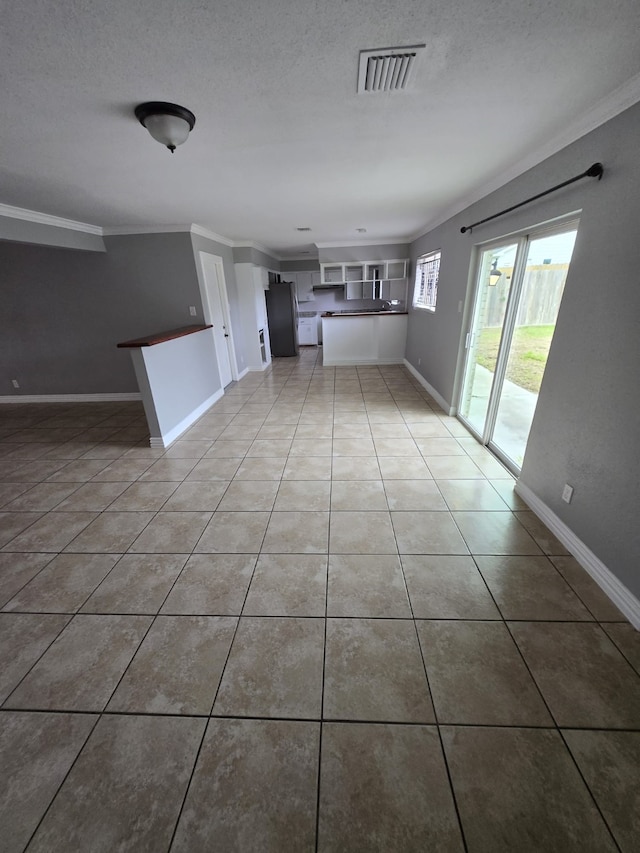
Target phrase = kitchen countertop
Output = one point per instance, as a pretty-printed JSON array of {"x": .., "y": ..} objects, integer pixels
[{"x": 362, "y": 313}]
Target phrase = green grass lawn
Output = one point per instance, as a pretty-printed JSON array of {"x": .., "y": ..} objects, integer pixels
[{"x": 529, "y": 350}]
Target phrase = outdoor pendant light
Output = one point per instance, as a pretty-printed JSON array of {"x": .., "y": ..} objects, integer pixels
[
  {"x": 494, "y": 274},
  {"x": 169, "y": 124}
]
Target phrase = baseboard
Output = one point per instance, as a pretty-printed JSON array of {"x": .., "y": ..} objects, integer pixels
[
  {"x": 242, "y": 374},
  {"x": 447, "y": 407},
  {"x": 71, "y": 398},
  {"x": 614, "y": 589},
  {"x": 258, "y": 369},
  {"x": 169, "y": 437}
]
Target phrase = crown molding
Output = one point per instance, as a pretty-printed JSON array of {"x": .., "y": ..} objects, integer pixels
[
  {"x": 48, "y": 219},
  {"x": 402, "y": 241},
  {"x": 604, "y": 110},
  {"x": 201, "y": 231},
  {"x": 251, "y": 244},
  {"x": 123, "y": 230}
]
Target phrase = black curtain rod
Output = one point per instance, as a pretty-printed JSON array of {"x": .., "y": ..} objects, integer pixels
[{"x": 595, "y": 171}]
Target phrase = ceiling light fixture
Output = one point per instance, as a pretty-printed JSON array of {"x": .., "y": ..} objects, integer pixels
[
  {"x": 169, "y": 124},
  {"x": 303, "y": 228}
]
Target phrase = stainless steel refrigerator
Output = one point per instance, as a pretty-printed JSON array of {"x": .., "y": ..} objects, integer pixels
[{"x": 282, "y": 316}]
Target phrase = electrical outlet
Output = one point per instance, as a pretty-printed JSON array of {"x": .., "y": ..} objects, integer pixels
[
  {"x": 192, "y": 310},
  {"x": 419, "y": 362},
  {"x": 460, "y": 307},
  {"x": 567, "y": 493},
  {"x": 15, "y": 383}
]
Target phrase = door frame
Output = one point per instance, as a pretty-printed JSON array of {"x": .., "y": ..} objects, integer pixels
[
  {"x": 522, "y": 239},
  {"x": 224, "y": 301}
]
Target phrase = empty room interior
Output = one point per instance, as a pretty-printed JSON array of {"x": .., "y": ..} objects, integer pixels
[{"x": 319, "y": 426}]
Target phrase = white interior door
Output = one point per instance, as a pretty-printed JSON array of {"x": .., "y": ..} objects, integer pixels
[{"x": 216, "y": 310}]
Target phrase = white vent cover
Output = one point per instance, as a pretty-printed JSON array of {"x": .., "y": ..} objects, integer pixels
[{"x": 387, "y": 70}]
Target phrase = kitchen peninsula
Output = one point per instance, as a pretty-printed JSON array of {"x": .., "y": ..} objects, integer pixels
[{"x": 369, "y": 337}]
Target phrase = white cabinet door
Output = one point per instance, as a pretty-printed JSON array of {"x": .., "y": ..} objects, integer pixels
[
  {"x": 305, "y": 287},
  {"x": 308, "y": 331}
]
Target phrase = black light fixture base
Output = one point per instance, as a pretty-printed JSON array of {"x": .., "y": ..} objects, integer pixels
[{"x": 152, "y": 108}]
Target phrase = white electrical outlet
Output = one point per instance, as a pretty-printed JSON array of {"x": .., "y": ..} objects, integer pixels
[
  {"x": 567, "y": 493},
  {"x": 15, "y": 383},
  {"x": 419, "y": 362},
  {"x": 460, "y": 307},
  {"x": 192, "y": 310}
]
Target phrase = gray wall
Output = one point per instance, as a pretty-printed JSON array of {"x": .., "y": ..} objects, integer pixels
[
  {"x": 586, "y": 430},
  {"x": 309, "y": 265},
  {"x": 64, "y": 311},
  {"x": 382, "y": 252},
  {"x": 250, "y": 255}
]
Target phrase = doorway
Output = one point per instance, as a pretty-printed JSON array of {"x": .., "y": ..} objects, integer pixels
[
  {"x": 519, "y": 286},
  {"x": 216, "y": 313}
]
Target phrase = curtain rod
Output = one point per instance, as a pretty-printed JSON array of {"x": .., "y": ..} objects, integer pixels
[{"x": 595, "y": 171}]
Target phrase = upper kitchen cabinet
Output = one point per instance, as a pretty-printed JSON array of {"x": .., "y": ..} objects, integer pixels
[
  {"x": 361, "y": 271},
  {"x": 304, "y": 286}
]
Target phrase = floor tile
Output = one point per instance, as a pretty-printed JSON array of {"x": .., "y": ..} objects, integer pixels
[
  {"x": 267, "y": 447},
  {"x": 36, "y": 753},
  {"x": 83, "y": 666},
  {"x": 228, "y": 449},
  {"x": 214, "y": 469},
  {"x": 178, "y": 666},
  {"x": 168, "y": 470},
  {"x": 404, "y": 468},
  {"x": 253, "y": 789},
  {"x": 113, "y": 532},
  {"x": 477, "y": 676},
  {"x": 261, "y": 468},
  {"x": 584, "y": 679},
  {"x": 368, "y": 585},
  {"x": 144, "y": 765},
  {"x": 530, "y": 588},
  {"x": 274, "y": 669},
  {"x": 139, "y": 583},
  {"x": 447, "y": 587},
  {"x": 49, "y": 532},
  {"x": 16, "y": 570},
  {"x": 505, "y": 488},
  {"x": 303, "y": 495},
  {"x": 234, "y": 533},
  {"x": 609, "y": 763},
  {"x": 10, "y": 491},
  {"x": 584, "y": 586},
  {"x": 385, "y": 787},
  {"x": 358, "y": 495},
  {"x": 439, "y": 447},
  {"x": 627, "y": 639},
  {"x": 518, "y": 789},
  {"x": 353, "y": 447},
  {"x": 79, "y": 471},
  {"x": 211, "y": 584},
  {"x": 143, "y": 497},
  {"x": 64, "y": 585},
  {"x": 249, "y": 495},
  {"x": 122, "y": 470},
  {"x": 41, "y": 497},
  {"x": 288, "y": 585},
  {"x": 453, "y": 468},
  {"x": 431, "y": 428},
  {"x": 282, "y": 431},
  {"x": 413, "y": 495},
  {"x": 394, "y": 431},
  {"x": 188, "y": 449},
  {"x": 495, "y": 533},
  {"x": 171, "y": 532},
  {"x": 307, "y": 468},
  {"x": 196, "y": 495},
  {"x": 24, "y": 637},
  {"x": 427, "y": 533},
  {"x": 361, "y": 533},
  {"x": 297, "y": 532},
  {"x": 471, "y": 495},
  {"x": 374, "y": 671},
  {"x": 541, "y": 533},
  {"x": 355, "y": 468},
  {"x": 91, "y": 497}
]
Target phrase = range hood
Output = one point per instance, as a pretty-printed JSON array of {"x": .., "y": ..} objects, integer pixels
[{"x": 328, "y": 286}]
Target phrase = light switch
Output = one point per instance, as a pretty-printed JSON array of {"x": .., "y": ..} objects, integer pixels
[{"x": 192, "y": 310}]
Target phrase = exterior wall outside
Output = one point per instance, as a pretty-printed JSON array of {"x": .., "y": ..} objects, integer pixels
[{"x": 587, "y": 423}]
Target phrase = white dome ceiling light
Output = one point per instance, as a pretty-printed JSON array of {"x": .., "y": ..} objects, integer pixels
[{"x": 169, "y": 124}]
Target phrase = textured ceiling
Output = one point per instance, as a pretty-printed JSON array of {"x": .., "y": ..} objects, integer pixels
[{"x": 281, "y": 138}]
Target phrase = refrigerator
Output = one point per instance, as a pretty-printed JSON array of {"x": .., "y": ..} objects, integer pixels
[{"x": 282, "y": 317}]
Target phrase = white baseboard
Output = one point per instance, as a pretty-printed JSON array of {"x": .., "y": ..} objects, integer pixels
[
  {"x": 448, "y": 408},
  {"x": 242, "y": 374},
  {"x": 614, "y": 589},
  {"x": 71, "y": 398},
  {"x": 169, "y": 437},
  {"x": 361, "y": 362},
  {"x": 258, "y": 369}
]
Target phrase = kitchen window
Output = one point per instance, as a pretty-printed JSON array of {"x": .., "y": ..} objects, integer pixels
[{"x": 425, "y": 291}]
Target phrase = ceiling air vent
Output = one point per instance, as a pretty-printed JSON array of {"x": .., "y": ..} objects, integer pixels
[{"x": 387, "y": 70}]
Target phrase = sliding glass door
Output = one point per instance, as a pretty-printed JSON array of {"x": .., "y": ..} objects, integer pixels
[{"x": 519, "y": 285}]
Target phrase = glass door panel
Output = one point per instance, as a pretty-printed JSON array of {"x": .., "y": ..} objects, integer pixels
[
  {"x": 495, "y": 277},
  {"x": 545, "y": 273}
]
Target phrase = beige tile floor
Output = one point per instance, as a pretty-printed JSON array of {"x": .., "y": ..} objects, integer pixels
[{"x": 321, "y": 620}]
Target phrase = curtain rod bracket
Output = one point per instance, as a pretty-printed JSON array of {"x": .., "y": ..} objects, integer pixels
[{"x": 594, "y": 171}]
